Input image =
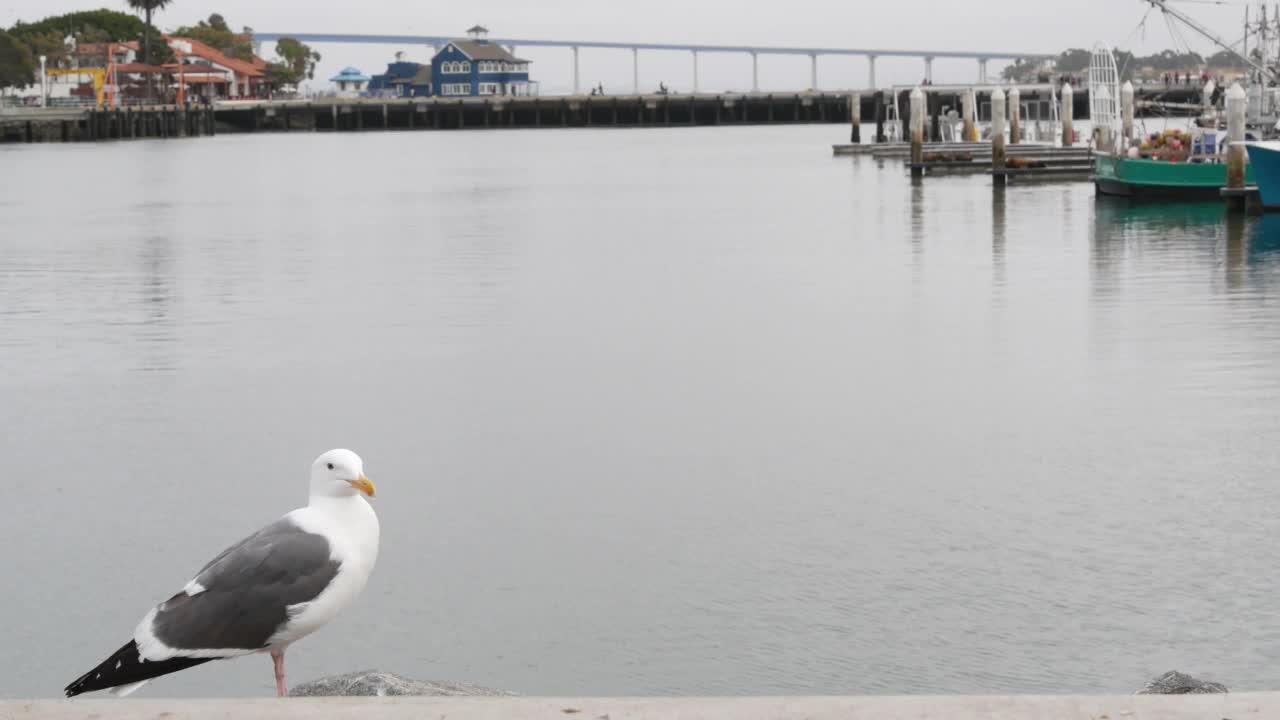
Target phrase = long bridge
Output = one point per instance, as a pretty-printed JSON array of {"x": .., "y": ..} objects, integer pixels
[{"x": 755, "y": 51}]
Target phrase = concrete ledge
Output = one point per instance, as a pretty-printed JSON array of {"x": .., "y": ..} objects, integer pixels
[{"x": 1237, "y": 706}]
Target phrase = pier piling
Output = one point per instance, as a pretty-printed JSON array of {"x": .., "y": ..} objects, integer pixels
[
  {"x": 1126, "y": 117},
  {"x": 997, "y": 136},
  {"x": 917, "y": 132},
  {"x": 1237, "y": 106},
  {"x": 880, "y": 116},
  {"x": 1067, "y": 111},
  {"x": 855, "y": 118},
  {"x": 970, "y": 110},
  {"x": 1015, "y": 116}
]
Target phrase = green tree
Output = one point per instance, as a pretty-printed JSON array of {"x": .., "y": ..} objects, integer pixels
[
  {"x": 113, "y": 26},
  {"x": 17, "y": 66},
  {"x": 1075, "y": 60},
  {"x": 1225, "y": 60},
  {"x": 161, "y": 53},
  {"x": 215, "y": 33},
  {"x": 148, "y": 7},
  {"x": 52, "y": 45},
  {"x": 297, "y": 61}
]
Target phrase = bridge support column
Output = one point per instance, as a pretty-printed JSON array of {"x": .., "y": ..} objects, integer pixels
[
  {"x": 695, "y": 71},
  {"x": 576, "y": 86},
  {"x": 813, "y": 72},
  {"x": 871, "y": 73},
  {"x": 755, "y": 72},
  {"x": 635, "y": 70},
  {"x": 928, "y": 70},
  {"x": 982, "y": 70}
]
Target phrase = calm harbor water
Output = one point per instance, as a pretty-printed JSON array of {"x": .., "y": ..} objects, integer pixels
[{"x": 694, "y": 411}]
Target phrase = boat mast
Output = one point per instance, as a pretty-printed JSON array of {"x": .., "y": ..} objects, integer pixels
[{"x": 1163, "y": 5}]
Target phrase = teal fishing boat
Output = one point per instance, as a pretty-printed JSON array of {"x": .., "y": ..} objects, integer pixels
[
  {"x": 1265, "y": 156},
  {"x": 1139, "y": 178}
]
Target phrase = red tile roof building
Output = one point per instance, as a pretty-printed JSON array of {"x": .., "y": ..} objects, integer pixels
[{"x": 239, "y": 78}]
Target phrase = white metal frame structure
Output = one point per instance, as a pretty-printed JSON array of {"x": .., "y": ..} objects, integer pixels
[{"x": 1104, "y": 91}]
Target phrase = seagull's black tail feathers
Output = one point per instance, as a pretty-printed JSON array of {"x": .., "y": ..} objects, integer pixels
[{"x": 126, "y": 667}]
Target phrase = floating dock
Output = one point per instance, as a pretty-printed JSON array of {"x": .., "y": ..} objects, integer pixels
[{"x": 1022, "y": 161}]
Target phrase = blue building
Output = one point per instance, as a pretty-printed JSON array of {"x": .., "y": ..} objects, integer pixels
[
  {"x": 402, "y": 79},
  {"x": 351, "y": 82},
  {"x": 478, "y": 67}
]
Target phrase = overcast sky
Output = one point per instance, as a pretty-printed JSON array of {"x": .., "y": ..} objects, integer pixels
[{"x": 1005, "y": 25}]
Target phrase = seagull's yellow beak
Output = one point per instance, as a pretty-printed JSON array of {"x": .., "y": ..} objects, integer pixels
[{"x": 364, "y": 485}]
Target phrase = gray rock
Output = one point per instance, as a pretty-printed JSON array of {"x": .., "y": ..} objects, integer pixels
[
  {"x": 377, "y": 684},
  {"x": 1175, "y": 683}
]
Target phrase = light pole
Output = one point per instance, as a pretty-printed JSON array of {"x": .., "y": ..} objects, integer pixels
[{"x": 44, "y": 82}]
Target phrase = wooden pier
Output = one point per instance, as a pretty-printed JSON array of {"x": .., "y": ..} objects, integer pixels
[
  {"x": 432, "y": 113},
  {"x": 87, "y": 125},
  {"x": 1022, "y": 161},
  {"x": 442, "y": 113}
]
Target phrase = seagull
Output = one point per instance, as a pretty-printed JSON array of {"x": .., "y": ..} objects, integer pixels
[{"x": 262, "y": 594}]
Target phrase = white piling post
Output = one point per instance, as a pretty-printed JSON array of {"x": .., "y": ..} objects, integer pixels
[
  {"x": 755, "y": 72},
  {"x": 635, "y": 70},
  {"x": 970, "y": 109},
  {"x": 1015, "y": 116},
  {"x": 917, "y": 131},
  {"x": 1126, "y": 116},
  {"x": 855, "y": 118},
  {"x": 871, "y": 72},
  {"x": 997, "y": 131},
  {"x": 695, "y": 72},
  {"x": 1067, "y": 111},
  {"x": 1237, "y": 106},
  {"x": 576, "y": 86}
]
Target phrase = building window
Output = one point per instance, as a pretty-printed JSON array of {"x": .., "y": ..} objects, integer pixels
[
  {"x": 488, "y": 88},
  {"x": 466, "y": 67},
  {"x": 455, "y": 89}
]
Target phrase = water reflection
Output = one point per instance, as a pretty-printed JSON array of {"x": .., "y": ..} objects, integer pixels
[
  {"x": 917, "y": 223},
  {"x": 156, "y": 330},
  {"x": 1116, "y": 218},
  {"x": 1237, "y": 262},
  {"x": 1164, "y": 234},
  {"x": 1266, "y": 239},
  {"x": 998, "y": 238},
  {"x": 552, "y": 365}
]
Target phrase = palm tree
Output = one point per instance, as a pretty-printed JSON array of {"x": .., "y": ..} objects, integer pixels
[{"x": 148, "y": 7}]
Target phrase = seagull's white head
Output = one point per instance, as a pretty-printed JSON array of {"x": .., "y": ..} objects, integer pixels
[{"x": 339, "y": 473}]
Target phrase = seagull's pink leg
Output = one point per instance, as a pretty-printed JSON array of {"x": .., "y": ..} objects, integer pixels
[{"x": 277, "y": 659}]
